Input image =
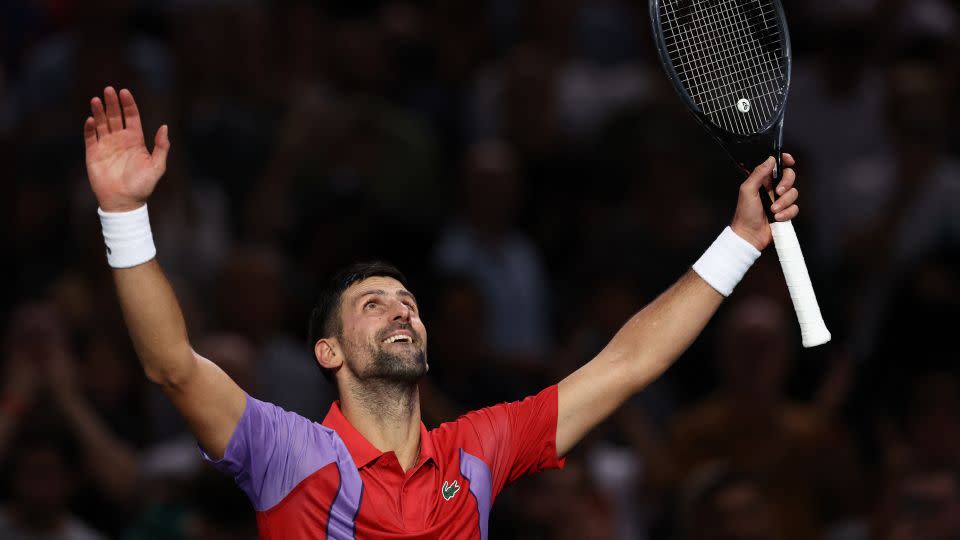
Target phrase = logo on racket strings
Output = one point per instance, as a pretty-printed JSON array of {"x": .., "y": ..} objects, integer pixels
[{"x": 743, "y": 105}]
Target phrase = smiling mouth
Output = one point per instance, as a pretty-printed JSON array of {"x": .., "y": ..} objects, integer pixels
[{"x": 399, "y": 338}]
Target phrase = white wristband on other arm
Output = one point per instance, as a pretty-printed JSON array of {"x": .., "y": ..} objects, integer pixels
[
  {"x": 128, "y": 237},
  {"x": 726, "y": 261}
]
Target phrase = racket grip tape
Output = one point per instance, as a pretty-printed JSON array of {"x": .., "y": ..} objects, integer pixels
[{"x": 813, "y": 331}]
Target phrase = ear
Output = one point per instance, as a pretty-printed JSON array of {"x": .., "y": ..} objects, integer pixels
[{"x": 328, "y": 353}]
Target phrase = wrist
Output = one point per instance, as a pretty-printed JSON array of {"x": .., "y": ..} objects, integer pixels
[
  {"x": 121, "y": 206},
  {"x": 726, "y": 261},
  {"x": 747, "y": 236},
  {"x": 127, "y": 236}
]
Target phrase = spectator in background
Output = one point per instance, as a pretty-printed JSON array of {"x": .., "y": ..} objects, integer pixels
[
  {"x": 465, "y": 372},
  {"x": 563, "y": 506},
  {"x": 58, "y": 71},
  {"x": 253, "y": 299},
  {"x": 805, "y": 458},
  {"x": 835, "y": 113},
  {"x": 225, "y": 51},
  {"x": 897, "y": 208},
  {"x": 25, "y": 343},
  {"x": 218, "y": 510},
  {"x": 720, "y": 502},
  {"x": 929, "y": 431},
  {"x": 483, "y": 243},
  {"x": 42, "y": 477},
  {"x": 90, "y": 401},
  {"x": 923, "y": 503}
]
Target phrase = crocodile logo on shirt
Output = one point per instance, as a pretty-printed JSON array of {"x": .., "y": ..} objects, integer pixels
[{"x": 449, "y": 490}]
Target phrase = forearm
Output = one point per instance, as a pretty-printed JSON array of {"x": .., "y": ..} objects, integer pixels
[
  {"x": 659, "y": 333},
  {"x": 155, "y": 323}
]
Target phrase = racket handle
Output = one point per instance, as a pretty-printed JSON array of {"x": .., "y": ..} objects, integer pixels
[{"x": 813, "y": 331}]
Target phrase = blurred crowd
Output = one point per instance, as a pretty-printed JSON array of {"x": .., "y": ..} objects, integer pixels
[{"x": 527, "y": 165}]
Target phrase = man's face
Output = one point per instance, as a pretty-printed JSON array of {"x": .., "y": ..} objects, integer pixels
[{"x": 383, "y": 336}]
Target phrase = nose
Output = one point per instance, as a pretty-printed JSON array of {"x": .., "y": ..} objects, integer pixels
[{"x": 401, "y": 311}]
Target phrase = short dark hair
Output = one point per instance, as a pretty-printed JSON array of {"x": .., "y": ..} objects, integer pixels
[{"x": 325, "y": 318}]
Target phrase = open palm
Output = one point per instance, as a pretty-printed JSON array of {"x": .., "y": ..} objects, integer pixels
[{"x": 122, "y": 172}]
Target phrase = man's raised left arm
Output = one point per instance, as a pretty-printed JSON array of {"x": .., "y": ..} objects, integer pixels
[{"x": 659, "y": 333}]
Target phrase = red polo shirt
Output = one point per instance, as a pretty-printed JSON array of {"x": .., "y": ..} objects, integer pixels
[{"x": 316, "y": 481}]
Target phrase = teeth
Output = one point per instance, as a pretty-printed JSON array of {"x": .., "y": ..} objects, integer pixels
[{"x": 396, "y": 338}]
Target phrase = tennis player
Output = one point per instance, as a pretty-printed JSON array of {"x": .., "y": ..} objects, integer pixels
[{"x": 371, "y": 469}]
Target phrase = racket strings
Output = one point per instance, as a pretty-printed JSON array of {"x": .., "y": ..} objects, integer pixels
[
  {"x": 722, "y": 34},
  {"x": 736, "y": 55},
  {"x": 704, "y": 79},
  {"x": 729, "y": 57}
]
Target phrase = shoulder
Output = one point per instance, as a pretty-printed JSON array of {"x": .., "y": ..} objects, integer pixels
[
  {"x": 268, "y": 431},
  {"x": 456, "y": 434},
  {"x": 287, "y": 425},
  {"x": 502, "y": 417}
]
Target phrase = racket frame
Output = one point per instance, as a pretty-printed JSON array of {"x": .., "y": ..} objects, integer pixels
[{"x": 747, "y": 151}]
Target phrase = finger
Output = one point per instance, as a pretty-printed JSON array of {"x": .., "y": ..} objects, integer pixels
[
  {"x": 131, "y": 115},
  {"x": 785, "y": 200},
  {"x": 788, "y": 160},
  {"x": 90, "y": 132},
  {"x": 761, "y": 176},
  {"x": 789, "y": 177},
  {"x": 96, "y": 107},
  {"x": 114, "y": 116},
  {"x": 787, "y": 214},
  {"x": 161, "y": 147}
]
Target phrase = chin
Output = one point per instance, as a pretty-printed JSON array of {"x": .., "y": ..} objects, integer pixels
[{"x": 409, "y": 367}]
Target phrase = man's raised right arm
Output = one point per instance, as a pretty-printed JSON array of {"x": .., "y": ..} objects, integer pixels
[{"x": 123, "y": 174}]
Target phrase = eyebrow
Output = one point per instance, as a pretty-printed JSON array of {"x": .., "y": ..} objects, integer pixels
[{"x": 380, "y": 292}]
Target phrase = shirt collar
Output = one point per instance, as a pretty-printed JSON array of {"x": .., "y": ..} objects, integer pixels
[{"x": 362, "y": 452}]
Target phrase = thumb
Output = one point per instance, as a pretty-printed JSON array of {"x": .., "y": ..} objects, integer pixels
[
  {"x": 762, "y": 175},
  {"x": 161, "y": 147}
]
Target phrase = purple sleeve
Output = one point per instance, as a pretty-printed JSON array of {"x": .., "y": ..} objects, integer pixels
[{"x": 272, "y": 450}]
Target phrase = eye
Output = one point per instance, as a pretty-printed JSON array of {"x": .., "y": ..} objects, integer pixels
[
  {"x": 411, "y": 305},
  {"x": 372, "y": 304}
]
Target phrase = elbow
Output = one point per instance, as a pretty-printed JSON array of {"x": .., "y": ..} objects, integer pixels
[
  {"x": 628, "y": 372},
  {"x": 642, "y": 368},
  {"x": 173, "y": 370}
]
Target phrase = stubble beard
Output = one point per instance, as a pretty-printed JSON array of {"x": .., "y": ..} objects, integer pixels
[
  {"x": 387, "y": 385},
  {"x": 400, "y": 368}
]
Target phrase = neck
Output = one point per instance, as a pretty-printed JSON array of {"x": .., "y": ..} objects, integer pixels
[{"x": 387, "y": 414}]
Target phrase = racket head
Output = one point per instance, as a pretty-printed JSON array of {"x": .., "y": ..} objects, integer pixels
[{"x": 730, "y": 62}]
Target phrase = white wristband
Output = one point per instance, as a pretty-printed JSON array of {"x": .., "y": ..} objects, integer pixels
[
  {"x": 726, "y": 261},
  {"x": 128, "y": 237}
]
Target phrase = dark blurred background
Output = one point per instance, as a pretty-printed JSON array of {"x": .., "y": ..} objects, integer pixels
[{"x": 526, "y": 164}]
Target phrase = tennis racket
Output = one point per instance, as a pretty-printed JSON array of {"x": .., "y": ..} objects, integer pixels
[{"x": 729, "y": 60}]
